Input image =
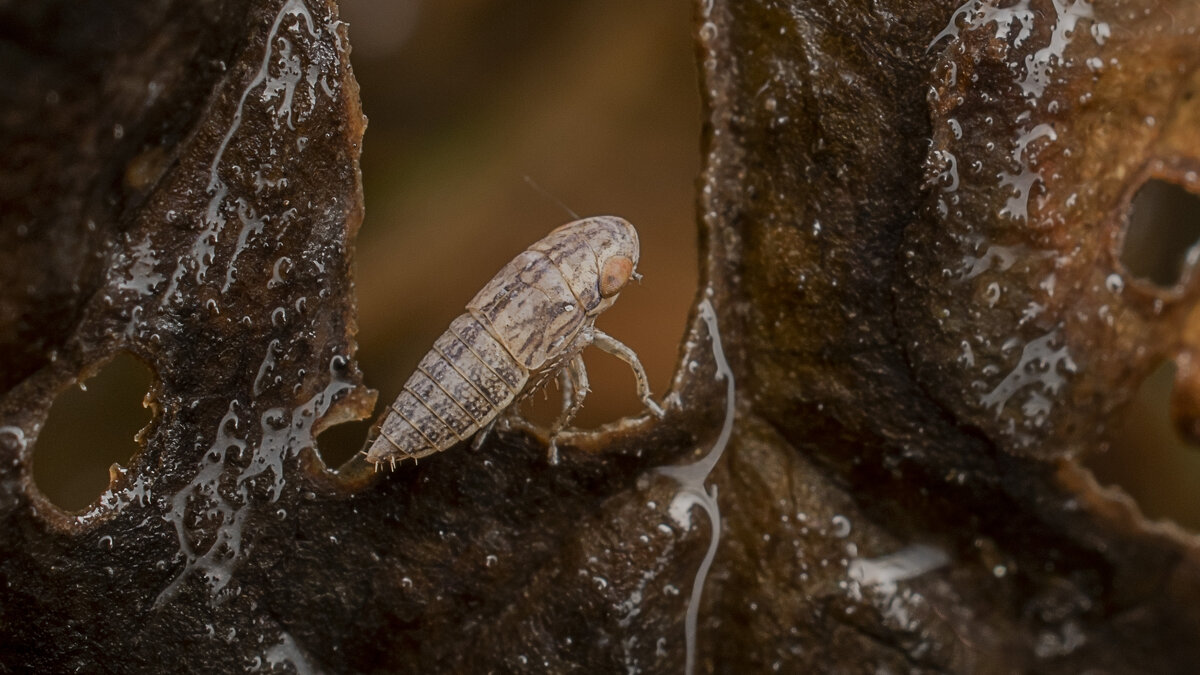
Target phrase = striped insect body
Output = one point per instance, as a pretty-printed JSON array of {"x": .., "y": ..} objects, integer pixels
[{"x": 528, "y": 324}]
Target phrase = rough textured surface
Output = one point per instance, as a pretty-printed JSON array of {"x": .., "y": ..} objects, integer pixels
[
  {"x": 924, "y": 338},
  {"x": 940, "y": 330}
]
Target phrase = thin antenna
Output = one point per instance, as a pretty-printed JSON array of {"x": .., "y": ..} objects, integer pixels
[{"x": 533, "y": 184}]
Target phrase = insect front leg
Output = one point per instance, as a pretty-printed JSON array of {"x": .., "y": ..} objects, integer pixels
[
  {"x": 573, "y": 382},
  {"x": 618, "y": 349}
]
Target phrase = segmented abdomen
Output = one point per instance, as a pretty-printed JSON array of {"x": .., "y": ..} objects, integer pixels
[{"x": 460, "y": 385}]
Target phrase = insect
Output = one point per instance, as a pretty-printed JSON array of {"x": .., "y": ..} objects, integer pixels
[{"x": 529, "y": 323}]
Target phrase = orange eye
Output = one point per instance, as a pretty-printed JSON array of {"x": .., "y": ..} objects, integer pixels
[{"x": 615, "y": 275}]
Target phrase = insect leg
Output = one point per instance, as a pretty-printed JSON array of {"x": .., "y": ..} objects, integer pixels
[
  {"x": 482, "y": 434},
  {"x": 615, "y": 347},
  {"x": 573, "y": 381},
  {"x": 579, "y": 378}
]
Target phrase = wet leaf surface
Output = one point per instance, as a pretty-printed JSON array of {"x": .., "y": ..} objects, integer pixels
[{"x": 912, "y": 216}]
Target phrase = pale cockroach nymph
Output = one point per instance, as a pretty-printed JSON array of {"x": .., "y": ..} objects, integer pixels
[{"x": 530, "y": 322}]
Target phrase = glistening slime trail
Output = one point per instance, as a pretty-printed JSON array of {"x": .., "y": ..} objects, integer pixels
[{"x": 691, "y": 479}]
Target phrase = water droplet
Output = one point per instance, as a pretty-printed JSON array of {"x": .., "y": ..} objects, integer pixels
[
  {"x": 841, "y": 526},
  {"x": 1115, "y": 283}
]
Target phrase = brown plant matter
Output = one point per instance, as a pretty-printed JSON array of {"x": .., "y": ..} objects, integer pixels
[{"x": 925, "y": 337}]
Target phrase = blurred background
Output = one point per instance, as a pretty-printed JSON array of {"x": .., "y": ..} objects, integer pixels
[{"x": 596, "y": 102}]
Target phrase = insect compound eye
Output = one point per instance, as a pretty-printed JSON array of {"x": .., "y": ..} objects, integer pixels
[{"x": 615, "y": 275}]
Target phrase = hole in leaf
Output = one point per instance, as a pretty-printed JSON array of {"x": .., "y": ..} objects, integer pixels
[
  {"x": 88, "y": 430},
  {"x": 1164, "y": 227},
  {"x": 1148, "y": 460},
  {"x": 337, "y": 444}
]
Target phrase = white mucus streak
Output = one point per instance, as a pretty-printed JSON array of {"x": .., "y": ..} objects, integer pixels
[{"x": 691, "y": 479}]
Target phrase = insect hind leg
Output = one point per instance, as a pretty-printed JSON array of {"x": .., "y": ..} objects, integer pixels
[
  {"x": 482, "y": 434},
  {"x": 618, "y": 349}
]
